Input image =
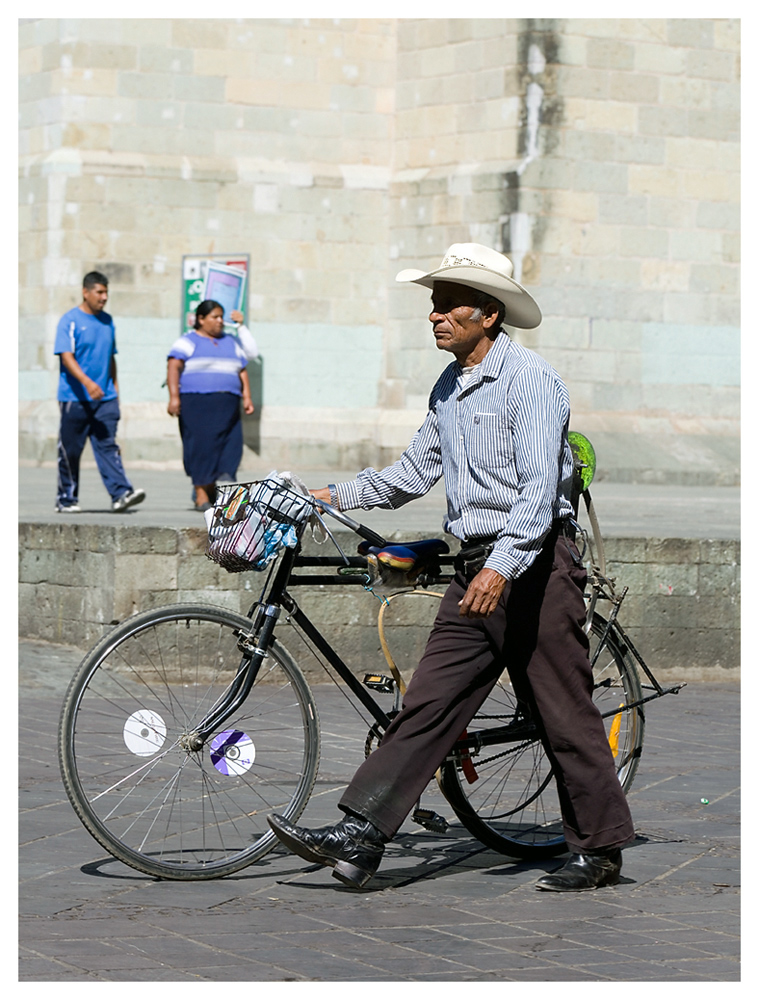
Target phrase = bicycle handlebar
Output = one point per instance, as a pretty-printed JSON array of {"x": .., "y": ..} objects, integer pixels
[{"x": 360, "y": 529}]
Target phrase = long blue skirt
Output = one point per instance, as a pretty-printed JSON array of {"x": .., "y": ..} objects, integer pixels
[{"x": 211, "y": 430}]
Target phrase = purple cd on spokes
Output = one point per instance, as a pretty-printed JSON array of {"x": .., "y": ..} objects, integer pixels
[{"x": 232, "y": 752}]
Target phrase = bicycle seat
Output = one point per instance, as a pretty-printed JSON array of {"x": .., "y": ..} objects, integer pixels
[{"x": 409, "y": 557}]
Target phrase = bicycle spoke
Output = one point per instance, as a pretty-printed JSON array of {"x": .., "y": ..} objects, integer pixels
[
  {"x": 188, "y": 808},
  {"x": 513, "y": 806}
]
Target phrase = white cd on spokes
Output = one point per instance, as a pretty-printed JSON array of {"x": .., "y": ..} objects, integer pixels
[{"x": 144, "y": 732}]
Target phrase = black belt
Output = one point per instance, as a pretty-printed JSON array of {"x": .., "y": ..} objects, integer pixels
[{"x": 473, "y": 555}]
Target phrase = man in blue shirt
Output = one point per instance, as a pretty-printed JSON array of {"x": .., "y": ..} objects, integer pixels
[
  {"x": 497, "y": 431},
  {"x": 88, "y": 397}
]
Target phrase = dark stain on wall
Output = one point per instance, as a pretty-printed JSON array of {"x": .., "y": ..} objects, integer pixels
[
  {"x": 543, "y": 33},
  {"x": 116, "y": 272}
]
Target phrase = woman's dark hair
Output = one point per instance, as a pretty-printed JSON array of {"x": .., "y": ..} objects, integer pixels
[{"x": 206, "y": 307}]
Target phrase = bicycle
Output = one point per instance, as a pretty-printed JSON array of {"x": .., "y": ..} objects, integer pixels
[{"x": 186, "y": 725}]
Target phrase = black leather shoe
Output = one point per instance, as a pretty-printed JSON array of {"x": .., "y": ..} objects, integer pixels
[
  {"x": 589, "y": 870},
  {"x": 353, "y": 847}
]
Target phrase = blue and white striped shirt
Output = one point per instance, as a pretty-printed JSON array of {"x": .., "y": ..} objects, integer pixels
[{"x": 501, "y": 446}]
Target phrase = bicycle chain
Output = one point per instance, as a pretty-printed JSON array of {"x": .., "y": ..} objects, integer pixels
[{"x": 476, "y": 761}]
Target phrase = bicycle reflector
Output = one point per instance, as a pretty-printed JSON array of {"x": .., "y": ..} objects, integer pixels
[{"x": 616, "y": 725}]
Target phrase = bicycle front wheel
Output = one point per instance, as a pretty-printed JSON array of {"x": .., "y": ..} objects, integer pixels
[
  {"x": 129, "y": 753},
  {"x": 505, "y": 793}
]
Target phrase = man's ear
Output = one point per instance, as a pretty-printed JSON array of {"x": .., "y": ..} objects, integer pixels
[{"x": 490, "y": 315}]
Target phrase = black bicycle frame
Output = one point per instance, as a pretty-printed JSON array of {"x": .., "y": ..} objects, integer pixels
[
  {"x": 264, "y": 615},
  {"x": 279, "y": 594}
]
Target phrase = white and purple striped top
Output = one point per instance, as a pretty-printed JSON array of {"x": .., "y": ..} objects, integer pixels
[
  {"x": 210, "y": 365},
  {"x": 501, "y": 445}
]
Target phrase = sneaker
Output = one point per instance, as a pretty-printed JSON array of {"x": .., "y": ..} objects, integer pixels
[
  {"x": 72, "y": 508},
  {"x": 128, "y": 500}
]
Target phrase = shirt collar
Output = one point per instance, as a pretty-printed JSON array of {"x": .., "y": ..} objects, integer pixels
[{"x": 493, "y": 362}]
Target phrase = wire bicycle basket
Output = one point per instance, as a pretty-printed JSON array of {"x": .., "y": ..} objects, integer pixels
[{"x": 250, "y": 523}]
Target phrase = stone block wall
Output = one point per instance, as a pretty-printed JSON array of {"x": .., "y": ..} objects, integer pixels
[
  {"x": 143, "y": 140},
  {"x": 683, "y": 599},
  {"x": 601, "y": 154},
  {"x": 682, "y": 609}
]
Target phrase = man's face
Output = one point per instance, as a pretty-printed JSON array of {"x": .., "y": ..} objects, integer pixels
[
  {"x": 95, "y": 298},
  {"x": 452, "y": 325}
]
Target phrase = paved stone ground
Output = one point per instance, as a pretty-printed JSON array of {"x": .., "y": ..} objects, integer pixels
[{"x": 443, "y": 908}]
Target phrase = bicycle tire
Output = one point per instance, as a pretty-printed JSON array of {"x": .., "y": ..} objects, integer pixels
[
  {"x": 512, "y": 806},
  {"x": 165, "y": 810}
]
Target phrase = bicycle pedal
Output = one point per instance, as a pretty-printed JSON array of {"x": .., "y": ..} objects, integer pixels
[
  {"x": 379, "y": 682},
  {"x": 430, "y": 820}
]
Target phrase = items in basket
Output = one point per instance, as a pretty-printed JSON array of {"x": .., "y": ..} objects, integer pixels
[{"x": 251, "y": 522}]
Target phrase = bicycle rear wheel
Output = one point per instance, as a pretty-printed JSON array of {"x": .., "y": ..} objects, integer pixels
[
  {"x": 504, "y": 793},
  {"x": 136, "y": 779}
]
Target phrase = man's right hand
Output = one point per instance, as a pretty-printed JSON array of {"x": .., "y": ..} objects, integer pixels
[
  {"x": 73, "y": 367},
  {"x": 322, "y": 494},
  {"x": 93, "y": 390},
  {"x": 482, "y": 594}
]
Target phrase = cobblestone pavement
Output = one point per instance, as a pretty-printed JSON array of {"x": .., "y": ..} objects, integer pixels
[{"x": 443, "y": 908}]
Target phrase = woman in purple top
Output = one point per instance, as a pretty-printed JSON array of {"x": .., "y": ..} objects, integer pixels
[{"x": 206, "y": 378}]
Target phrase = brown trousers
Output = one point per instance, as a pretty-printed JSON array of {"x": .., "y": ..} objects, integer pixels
[{"x": 536, "y": 631}]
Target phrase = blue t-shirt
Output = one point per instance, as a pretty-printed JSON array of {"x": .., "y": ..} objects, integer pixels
[
  {"x": 210, "y": 364},
  {"x": 92, "y": 341}
]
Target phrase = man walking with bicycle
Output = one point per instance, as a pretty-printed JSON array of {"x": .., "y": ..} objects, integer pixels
[{"x": 496, "y": 431}]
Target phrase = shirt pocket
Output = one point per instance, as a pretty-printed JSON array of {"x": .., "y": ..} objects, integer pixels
[{"x": 488, "y": 441}]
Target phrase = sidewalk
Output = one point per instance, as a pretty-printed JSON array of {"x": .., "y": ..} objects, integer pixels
[
  {"x": 443, "y": 908},
  {"x": 623, "y": 510}
]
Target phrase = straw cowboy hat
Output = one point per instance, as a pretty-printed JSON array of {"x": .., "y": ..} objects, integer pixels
[{"x": 486, "y": 270}]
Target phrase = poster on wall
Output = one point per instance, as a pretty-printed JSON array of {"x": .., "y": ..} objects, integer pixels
[
  {"x": 223, "y": 277},
  {"x": 225, "y": 285}
]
